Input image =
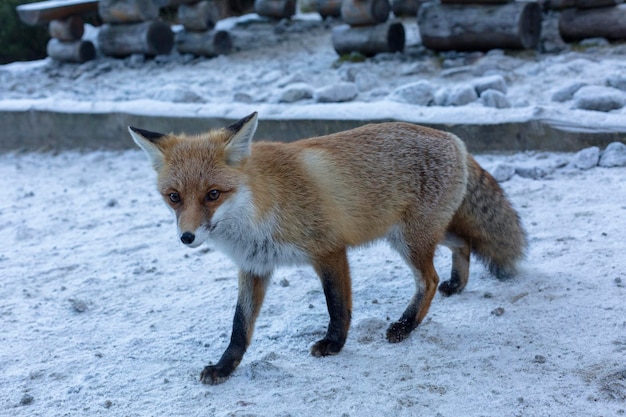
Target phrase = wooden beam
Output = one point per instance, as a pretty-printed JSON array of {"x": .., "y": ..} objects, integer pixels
[{"x": 46, "y": 11}]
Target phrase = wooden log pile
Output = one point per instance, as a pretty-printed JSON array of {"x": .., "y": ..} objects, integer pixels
[
  {"x": 199, "y": 36},
  {"x": 132, "y": 27},
  {"x": 583, "y": 19},
  {"x": 65, "y": 25},
  {"x": 367, "y": 29},
  {"x": 277, "y": 9},
  {"x": 479, "y": 25}
]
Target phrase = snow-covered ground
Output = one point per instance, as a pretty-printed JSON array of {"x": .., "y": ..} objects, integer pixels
[{"x": 104, "y": 312}]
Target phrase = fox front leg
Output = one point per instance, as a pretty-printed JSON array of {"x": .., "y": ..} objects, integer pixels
[
  {"x": 251, "y": 294},
  {"x": 334, "y": 273}
]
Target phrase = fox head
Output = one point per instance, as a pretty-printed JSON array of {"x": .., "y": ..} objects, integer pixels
[{"x": 198, "y": 175}]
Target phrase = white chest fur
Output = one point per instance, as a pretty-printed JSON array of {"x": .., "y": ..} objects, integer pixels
[{"x": 250, "y": 241}]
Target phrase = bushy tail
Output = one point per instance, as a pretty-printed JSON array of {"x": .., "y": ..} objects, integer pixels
[{"x": 487, "y": 221}]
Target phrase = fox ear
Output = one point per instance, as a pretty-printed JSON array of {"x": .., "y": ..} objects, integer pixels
[
  {"x": 238, "y": 146},
  {"x": 148, "y": 141}
]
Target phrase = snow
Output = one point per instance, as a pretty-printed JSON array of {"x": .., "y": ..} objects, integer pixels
[{"x": 104, "y": 312}]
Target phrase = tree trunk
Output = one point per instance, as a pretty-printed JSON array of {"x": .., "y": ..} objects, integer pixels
[
  {"x": 127, "y": 11},
  {"x": 608, "y": 22},
  {"x": 73, "y": 51},
  {"x": 365, "y": 12},
  {"x": 580, "y": 4},
  {"x": 200, "y": 16},
  {"x": 479, "y": 27},
  {"x": 369, "y": 40},
  {"x": 275, "y": 8},
  {"x": 150, "y": 38},
  {"x": 328, "y": 8},
  {"x": 210, "y": 43},
  {"x": 70, "y": 29},
  {"x": 45, "y": 11}
]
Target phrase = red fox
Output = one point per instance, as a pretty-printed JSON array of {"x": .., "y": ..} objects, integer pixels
[{"x": 267, "y": 204}]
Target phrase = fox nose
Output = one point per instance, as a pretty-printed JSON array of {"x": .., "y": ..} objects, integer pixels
[{"x": 187, "y": 238}]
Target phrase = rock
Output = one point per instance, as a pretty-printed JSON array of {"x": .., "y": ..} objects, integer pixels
[
  {"x": 586, "y": 158},
  {"x": 365, "y": 81},
  {"x": 495, "y": 99},
  {"x": 462, "y": 95},
  {"x": 296, "y": 92},
  {"x": 534, "y": 173},
  {"x": 614, "y": 155},
  {"x": 567, "y": 92},
  {"x": 337, "y": 93},
  {"x": 599, "y": 98},
  {"x": 441, "y": 97},
  {"x": 498, "y": 311},
  {"x": 176, "y": 94},
  {"x": 617, "y": 81},
  {"x": 27, "y": 399},
  {"x": 503, "y": 172},
  {"x": 420, "y": 93},
  {"x": 491, "y": 82}
]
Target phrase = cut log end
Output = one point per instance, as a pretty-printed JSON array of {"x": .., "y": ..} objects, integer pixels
[
  {"x": 70, "y": 29},
  {"x": 210, "y": 43},
  {"x": 365, "y": 12},
  {"x": 369, "y": 40},
  {"x": 445, "y": 27},
  {"x": 73, "y": 51}
]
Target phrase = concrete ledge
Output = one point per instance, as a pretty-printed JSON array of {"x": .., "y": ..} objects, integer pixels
[{"x": 35, "y": 129}]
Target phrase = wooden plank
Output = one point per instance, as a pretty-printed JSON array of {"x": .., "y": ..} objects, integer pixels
[
  {"x": 46, "y": 11},
  {"x": 127, "y": 11}
]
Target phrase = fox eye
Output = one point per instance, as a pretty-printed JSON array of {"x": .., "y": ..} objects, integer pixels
[
  {"x": 174, "y": 197},
  {"x": 213, "y": 195}
]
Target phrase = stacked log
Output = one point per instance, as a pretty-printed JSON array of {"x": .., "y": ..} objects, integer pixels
[
  {"x": 479, "y": 25},
  {"x": 131, "y": 27},
  {"x": 65, "y": 25},
  {"x": 66, "y": 42},
  {"x": 199, "y": 36},
  {"x": 583, "y": 19},
  {"x": 277, "y": 9},
  {"x": 367, "y": 30}
]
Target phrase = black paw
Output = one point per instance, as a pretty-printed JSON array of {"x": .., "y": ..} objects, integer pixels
[
  {"x": 213, "y": 375},
  {"x": 399, "y": 330},
  {"x": 326, "y": 347},
  {"x": 447, "y": 288}
]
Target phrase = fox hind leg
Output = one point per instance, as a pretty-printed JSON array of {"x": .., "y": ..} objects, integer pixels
[
  {"x": 460, "y": 265},
  {"x": 418, "y": 253}
]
